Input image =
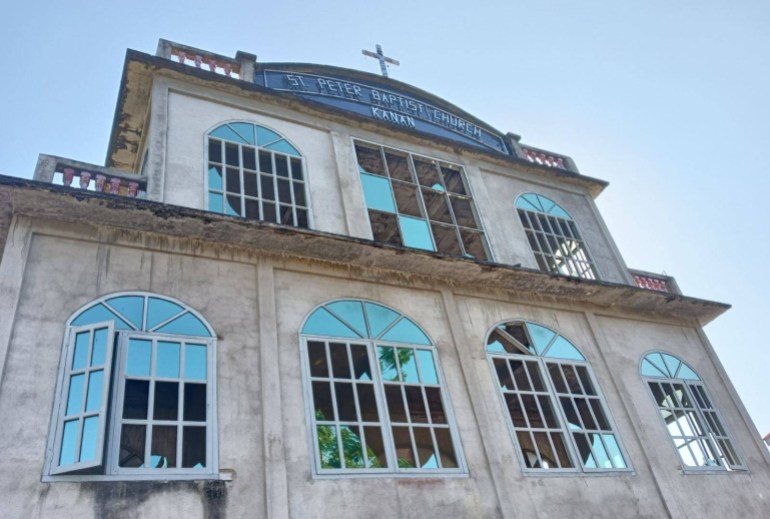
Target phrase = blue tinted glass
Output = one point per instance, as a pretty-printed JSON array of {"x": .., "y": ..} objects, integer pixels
[
  {"x": 378, "y": 193},
  {"x": 167, "y": 362},
  {"x": 416, "y": 233},
  {"x": 283, "y": 146},
  {"x": 130, "y": 307},
  {"x": 352, "y": 313},
  {"x": 379, "y": 317},
  {"x": 138, "y": 362},
  {"x": 686, "y": 373},
  {"x": 245, "y": 130},
  {"x": 229, "y": 209},
  {"x": 603, "y": 461},
  {"x": 215, "y": 179},
  {"x": 88, "y": 442},
  {"x": 100, "y": 347},
  {"x": 406, "y": 331},
  {"x": 388, "y": 366},
  {"x": 431, "y": 463},
  {"x": 558, "y": 211},
  {"x": 523, "y": 203},
  {"x": 160, "y": 310},
  {"x": 656, "y": 360},
  {"x": 438, "y": 187},
  {"x": 534, "y": 200},
  {"x": 563, "y": 349},
  {"x": 216, "y": 203},
  {"x": 195, "y": 361},
  {"x": 97, "y": 314},
  {"x": 69, "y": 443},
  {"x": 495, "y": 347},
  {"x": 226, "y": 133},
  {"x": 94, "y": 397},
  {"x": 265, "y": 136},
  {"x": 672, "y": 363},
  {"x": 321, "y": 322},
  {"x": 649, "y": 370},
  {"x": 540, "y": 336},
  {"x": 546, "y": 203},
  {"x": 80, "y": 356},
  {"x": 408, "y": 365},
  {"x": 186, "y": 324},
  {"x": 75, "y": 398},
  {"x": 427, "y": 367},
  {"x": 614, "y": 451}
]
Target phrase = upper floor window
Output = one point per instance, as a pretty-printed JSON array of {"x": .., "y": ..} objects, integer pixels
[
  {"x": 554, "y": 237},
  {"x": 256, "y": 173},
  {"x": 419, "y": 202},
  {"x": 136, "y": 391},
  {"x": 378, "y": 403},
  {"x": 558, "y": 415},
  {"x": 689, "y": 414}
]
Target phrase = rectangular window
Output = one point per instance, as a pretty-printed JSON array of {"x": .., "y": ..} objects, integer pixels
[{"x": 419, "y": 202}]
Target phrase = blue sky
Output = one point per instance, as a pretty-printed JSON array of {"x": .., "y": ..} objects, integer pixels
[{"x": 665, "y": 100}]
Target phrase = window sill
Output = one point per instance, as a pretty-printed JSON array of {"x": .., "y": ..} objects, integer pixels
[{"x": 225, "y": 475}]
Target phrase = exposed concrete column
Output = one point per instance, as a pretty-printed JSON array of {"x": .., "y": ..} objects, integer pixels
[
  {"x": 276, "y": 485},
  {"x": 164, "y": 49},
  {"x": 668, "y": 499},
  {"x": 248, "y": 64},
  {"x": 714, "y": 358},
  {"x": 356, "y": 219},
  {"x": 45, "y": 168},
  {"x": 479, "y": 404},
  {"x": 12, "y": 268},
  {"x": 157, "y": 142}
]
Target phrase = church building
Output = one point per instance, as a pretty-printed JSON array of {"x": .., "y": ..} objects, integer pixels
[{"x": 304, "y": 291}]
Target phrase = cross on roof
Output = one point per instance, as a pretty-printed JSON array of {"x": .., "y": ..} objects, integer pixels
[{"x": 381, "y": 58}]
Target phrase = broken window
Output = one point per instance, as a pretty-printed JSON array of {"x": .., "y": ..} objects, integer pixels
[
  {"x": 554, "y": 237},
  {"x": 255, "y": 173},
  {"x": 377, "y": 400},
  {"x": 558, "y": 415},
  {"x": 419, "y": 202},
  {"x": 689, "y": 415},
  {"x": 136, "y": 392}
]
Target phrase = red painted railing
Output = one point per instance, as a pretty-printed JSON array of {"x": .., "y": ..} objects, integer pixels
[{"x": 544, "y": 158}]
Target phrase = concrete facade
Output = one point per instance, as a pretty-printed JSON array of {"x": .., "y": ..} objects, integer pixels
[{"x": 256, "y": 283}]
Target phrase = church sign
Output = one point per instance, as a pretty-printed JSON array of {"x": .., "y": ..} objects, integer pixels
[{"x": 385, "y": 105}]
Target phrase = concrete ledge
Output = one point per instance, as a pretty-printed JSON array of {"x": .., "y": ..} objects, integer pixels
[{"x": 36, "y": 199}]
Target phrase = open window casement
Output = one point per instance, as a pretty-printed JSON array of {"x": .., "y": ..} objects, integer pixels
[{"x": 81, "y": 418}]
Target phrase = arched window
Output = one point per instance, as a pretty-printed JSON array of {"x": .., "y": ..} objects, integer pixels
[
  {"x": 554, "y": 237},
  {"x": 256, "y": 173},
  {"x": 378, "y": 404},
  {"x": 688, "y": 414},
  {"x": 135, "y": 396},
  {"x": 558, "y": 415}
]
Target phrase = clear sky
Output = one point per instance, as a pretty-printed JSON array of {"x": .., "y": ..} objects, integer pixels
[{"x": 668, "y": 101}]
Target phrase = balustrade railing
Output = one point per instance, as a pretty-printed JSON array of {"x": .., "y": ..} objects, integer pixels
[
  {"x": 240, "y": 67},
  {"x": 89, "y": 177},
  {"x": 657, "y": 282},
  {"x": 545, "y": 158}
]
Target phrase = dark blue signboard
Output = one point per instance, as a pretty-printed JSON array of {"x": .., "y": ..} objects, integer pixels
[{"x": 384, "y": 105}]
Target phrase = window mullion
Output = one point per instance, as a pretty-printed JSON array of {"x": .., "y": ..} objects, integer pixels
[
  {"x": 553, "y": 395},
  {"x": 386, "y": 428}
]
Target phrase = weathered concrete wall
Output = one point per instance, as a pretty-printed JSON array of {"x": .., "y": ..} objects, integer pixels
[
  {"x": 68, "y": 266},
  {"x": 336, "y": 196}
]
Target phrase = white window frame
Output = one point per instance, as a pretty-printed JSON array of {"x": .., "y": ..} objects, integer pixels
[
  {"x": 275, "y": 177},
  {"x": 564, "y": 264},
  {"x": 104, "y": 468},
  {"x": 385, "y": 423},
  {"x": 709, "y": 436},
  {"x": 558, "y": 410}
]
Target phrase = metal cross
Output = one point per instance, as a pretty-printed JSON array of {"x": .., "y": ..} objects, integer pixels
[{"x": 381, "y": 58}]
